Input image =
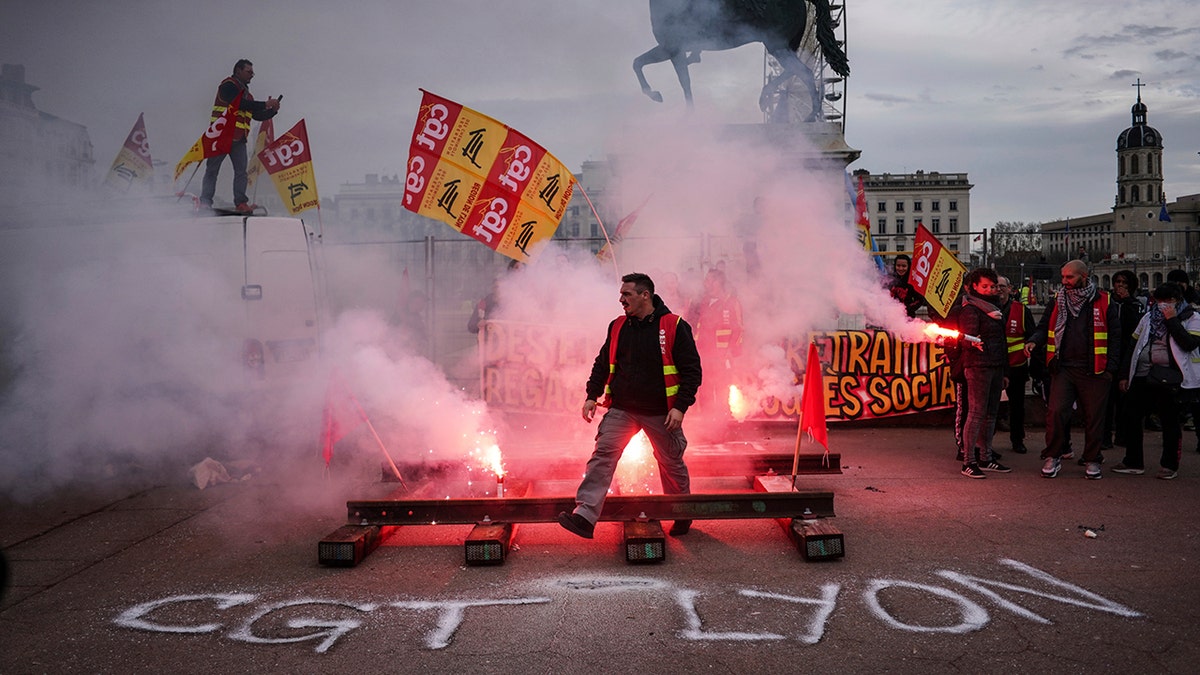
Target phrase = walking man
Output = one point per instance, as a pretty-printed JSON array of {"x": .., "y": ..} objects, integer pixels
[{"x": 647, "y": 374}]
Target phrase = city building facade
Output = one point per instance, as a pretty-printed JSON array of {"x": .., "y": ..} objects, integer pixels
[
  {"x": 897, "y": 204},
  {"x": 40, "y": 154},
  {"x": 1143, "y": 232}
]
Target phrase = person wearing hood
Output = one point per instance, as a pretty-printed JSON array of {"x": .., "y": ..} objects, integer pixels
[
  {"x": 1081, "y": 331},
  {"x": 900, "y": 289},
  {"x": 985, "y": 369},
  {"x": 647, "y": 375},
  {"x": 1165, "y": 358}
]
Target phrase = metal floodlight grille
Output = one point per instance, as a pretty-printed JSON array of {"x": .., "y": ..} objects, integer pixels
[
  {"x": 650, "y": 551},
  {"x": 335, "y": 553},
  {"x": 484, "y": 553},
  {"x": 824, "y": 548}
]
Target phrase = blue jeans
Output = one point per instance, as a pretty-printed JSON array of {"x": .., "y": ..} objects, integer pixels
[
  {"x": 614, "y": 432},
  {"x": 983, "y": 402},
  {"x": 212, "y": 167}
]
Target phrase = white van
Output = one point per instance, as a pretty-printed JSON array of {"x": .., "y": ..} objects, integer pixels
[{"x": 216, "y": 302}]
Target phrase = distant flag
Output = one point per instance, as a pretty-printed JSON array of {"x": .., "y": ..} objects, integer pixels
[
  {"x": 265, "y": 137},
  {"x": 217, "y": 140},
  {"x": 862, "y": 223},
  {"x": 341, "y": 415},
  {"x": 1163, "y": 216},
  {"x": 1067, "y": 234},
  {"x": 288, "y": 161},
  {"x": 484, "y": 179},
  {"x": 132, "y": 165},
  {"x": 978, "y": 238},
  {"x": 606, "y": 253}
]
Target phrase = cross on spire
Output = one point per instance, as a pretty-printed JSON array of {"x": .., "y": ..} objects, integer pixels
[{"x": 1139, "y": 85}]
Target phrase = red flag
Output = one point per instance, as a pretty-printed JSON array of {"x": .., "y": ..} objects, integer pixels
[
  {"x": 217, "y": 140},
  {"x": 341, "y": 415},
  {"x": 812, "y": 400}
]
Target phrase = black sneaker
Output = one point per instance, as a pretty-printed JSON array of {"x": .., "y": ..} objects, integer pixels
[
  {"x": 680, "y": 528},
  {"x": 576, "y": 524},
  {"x": 996, "y": 467},
  {"x": 972, "y": 471},
  {"x": 1020, "y": 449}
]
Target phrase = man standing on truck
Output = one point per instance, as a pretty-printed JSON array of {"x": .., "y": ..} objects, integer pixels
[{"x": 227, "y": 93}]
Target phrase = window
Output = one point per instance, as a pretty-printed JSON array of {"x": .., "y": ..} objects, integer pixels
[
  {"x": 918, "y": 223},
  {"x": 595, "y": 230},
  {"x": 899, "y": 226},
  {"x": 917, "y": 205},
  {"x": 1136, "y": 194},
  {"x": 935, "y": 205},
  {"x": 1133, "y": 166},
  {"x": 936, "y": 224},
  {"x": 899, "y": 206},
  {"x": 881, "y": 207},
  {"x": 881, "y": 226},
  {"x": 1120, "y": 166},
  {"x": 883, "y": 246},
  {"x": 953, "y": 204},
  {"x": 953, "y": 225}
]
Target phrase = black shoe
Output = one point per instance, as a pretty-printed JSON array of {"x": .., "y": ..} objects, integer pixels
[
  {"x": 972, "y": 471},
  {"x": 680, "y": 528},
  {"x": 576, "y": 524},
  {"x": 995, "y": 456},
  {"x": 1020, "y": 449}
]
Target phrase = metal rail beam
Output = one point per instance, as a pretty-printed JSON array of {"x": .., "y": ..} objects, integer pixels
[{"x": 616, "y": 508}]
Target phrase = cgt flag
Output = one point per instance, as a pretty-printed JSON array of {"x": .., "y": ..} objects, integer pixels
[
  {"x": 484, "y": 179},
  {"x": 288, "y": 161},
  {"x": 217, "y": 140},
  {"x": 935, "y": 273},
  {"x": 132, "y": 165}
]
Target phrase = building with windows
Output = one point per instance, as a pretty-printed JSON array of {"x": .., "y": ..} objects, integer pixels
[
  {"x": 40, "y": 155},
  {"x": 898, "y": 203},
  {"x": 1143, "y": 232}
]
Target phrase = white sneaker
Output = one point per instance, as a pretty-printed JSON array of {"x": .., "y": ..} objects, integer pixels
[{"x": 1050, "y": 467}]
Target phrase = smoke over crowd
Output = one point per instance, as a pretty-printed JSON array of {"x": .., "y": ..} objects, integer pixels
[{"x": 121, "y": 334}]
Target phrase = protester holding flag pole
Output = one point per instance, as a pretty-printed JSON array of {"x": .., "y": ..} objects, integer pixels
[{"x": 234, "y": 93}]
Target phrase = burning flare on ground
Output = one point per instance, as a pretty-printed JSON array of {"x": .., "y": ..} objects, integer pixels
[
  {"x": 739, "y": 407},
  {"x": 637, "y": 466}
]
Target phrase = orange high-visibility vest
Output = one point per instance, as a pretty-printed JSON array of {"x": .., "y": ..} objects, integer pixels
[
  {"x": 1099, "y": 332},
  {"x": 667, "y": 324},
  {"x": 1014, "y": 334},
  {"x": 242, "y": 119}
]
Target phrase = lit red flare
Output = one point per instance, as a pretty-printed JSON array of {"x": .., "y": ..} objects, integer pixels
[
  {"x": 739, "y": 407},
  {"x": 934, "y": 330}
]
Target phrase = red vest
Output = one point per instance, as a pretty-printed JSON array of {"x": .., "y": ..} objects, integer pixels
[
  {"x": 1099, "y": 332},
  {"x": 1014, "y": 334},
  {"x": 666, "y": 344},
  {"x": 242, "y": 119}
]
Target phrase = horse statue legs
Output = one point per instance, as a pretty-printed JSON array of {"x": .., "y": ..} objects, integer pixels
[
  {"x": 792, "y": 67},
  {"x": 679, "y": 59}
]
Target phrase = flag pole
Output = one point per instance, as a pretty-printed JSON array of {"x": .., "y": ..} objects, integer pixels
[
  {"x": 362, "y": 413},
  {"x": 603, "y": 229},
  {"x": 183, "y": 192}
]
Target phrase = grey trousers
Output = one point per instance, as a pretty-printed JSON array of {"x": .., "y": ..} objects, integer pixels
[{"x": 612, "y": 435}]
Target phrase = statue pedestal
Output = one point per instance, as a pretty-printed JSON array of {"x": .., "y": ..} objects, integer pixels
[{"x": 815, "y": 146}]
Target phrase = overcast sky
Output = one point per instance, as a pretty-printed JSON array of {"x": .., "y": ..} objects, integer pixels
[{"x": 1025, "y": 96}]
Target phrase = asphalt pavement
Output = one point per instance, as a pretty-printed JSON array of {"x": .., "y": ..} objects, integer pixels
[{"x": 942, "y": 574}]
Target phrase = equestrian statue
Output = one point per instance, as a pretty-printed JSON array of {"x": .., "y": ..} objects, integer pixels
[{"x": 685, "y": 28}]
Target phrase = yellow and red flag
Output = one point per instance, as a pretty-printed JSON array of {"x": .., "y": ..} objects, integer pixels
[
  {"x": 217, "y": 140},
  {"x": 623, "y": 226},
  {"x": 484, "y": 179},
  {"x": 288, "y": 161},
  {"x": 265, "y": 137},
  {"x": 935, "y": 272},
  {"x": 132, "y": 165}
]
